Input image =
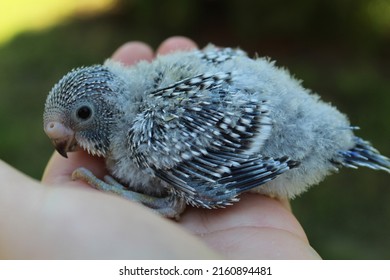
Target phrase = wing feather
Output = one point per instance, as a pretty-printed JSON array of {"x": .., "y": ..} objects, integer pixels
[{"x": 196, "y": 133}]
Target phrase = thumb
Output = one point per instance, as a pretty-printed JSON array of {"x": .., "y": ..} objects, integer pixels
[{"x": 59, "y": 170}]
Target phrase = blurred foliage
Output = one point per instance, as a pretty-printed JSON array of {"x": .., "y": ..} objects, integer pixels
[
  {"x": 23, "y": 15},
  {"x": 339, "y": 48}
]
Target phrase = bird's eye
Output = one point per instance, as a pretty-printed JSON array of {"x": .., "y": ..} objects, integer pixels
[{"x": 84, "y": 112}]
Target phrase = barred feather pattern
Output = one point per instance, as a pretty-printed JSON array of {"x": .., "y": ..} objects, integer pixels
[{"x": 203, "y": 143}]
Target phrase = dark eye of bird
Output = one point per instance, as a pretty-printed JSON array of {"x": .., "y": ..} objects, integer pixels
[{"x": 84, "y": 112}]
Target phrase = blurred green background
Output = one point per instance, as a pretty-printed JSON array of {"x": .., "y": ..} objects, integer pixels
[{"x": 339, "y": 48}]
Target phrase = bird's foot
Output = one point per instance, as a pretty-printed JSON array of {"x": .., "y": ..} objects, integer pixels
[{"x": 170, "y": 206}]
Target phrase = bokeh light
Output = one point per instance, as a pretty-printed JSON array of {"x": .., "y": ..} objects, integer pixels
[{"x": 26, "y": 15}]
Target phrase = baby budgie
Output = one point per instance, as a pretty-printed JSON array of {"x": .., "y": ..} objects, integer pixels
[{"x": 199, "y": 128}]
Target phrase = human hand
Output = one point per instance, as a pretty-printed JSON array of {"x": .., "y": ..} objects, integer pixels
[{"x": 67, "y": 219}]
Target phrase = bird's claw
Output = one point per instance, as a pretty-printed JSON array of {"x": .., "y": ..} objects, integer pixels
[{"x": 169, "y": 206}]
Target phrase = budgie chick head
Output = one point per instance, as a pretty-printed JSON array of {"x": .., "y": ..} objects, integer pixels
[{"x": 79, "y": 111}]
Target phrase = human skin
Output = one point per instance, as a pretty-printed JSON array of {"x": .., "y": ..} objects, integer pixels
[{"x": 58, "y": 218}]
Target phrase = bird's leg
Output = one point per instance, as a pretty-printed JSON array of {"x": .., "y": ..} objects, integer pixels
[{"x": 170, "y": 206}]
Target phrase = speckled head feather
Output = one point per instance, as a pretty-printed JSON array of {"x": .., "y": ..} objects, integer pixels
[{"x": 80, "y": 101}]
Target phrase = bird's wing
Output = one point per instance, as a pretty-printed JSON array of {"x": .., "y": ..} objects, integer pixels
[
  {"x": 196, "y": 137},
  {"x": 216, "y": 179}
]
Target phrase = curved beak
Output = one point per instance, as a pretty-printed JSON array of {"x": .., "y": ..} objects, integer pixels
[
  {"x": 63, "y": 138},
  {"x": 62, "y": 147}
]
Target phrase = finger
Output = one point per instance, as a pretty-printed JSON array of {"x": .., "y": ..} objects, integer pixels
[
  {"x": 256, "y": 227},
  {"x": 59, "y": 169},
  {"x": 252, "y": 243},
  {"x": 176, "y": 43},
  {"x": 133, "y": 52},
  {"x": 252, "y": 210}
]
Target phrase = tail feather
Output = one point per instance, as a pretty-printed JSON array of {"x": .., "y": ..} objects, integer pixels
[{"x": 363, "y": 154}]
